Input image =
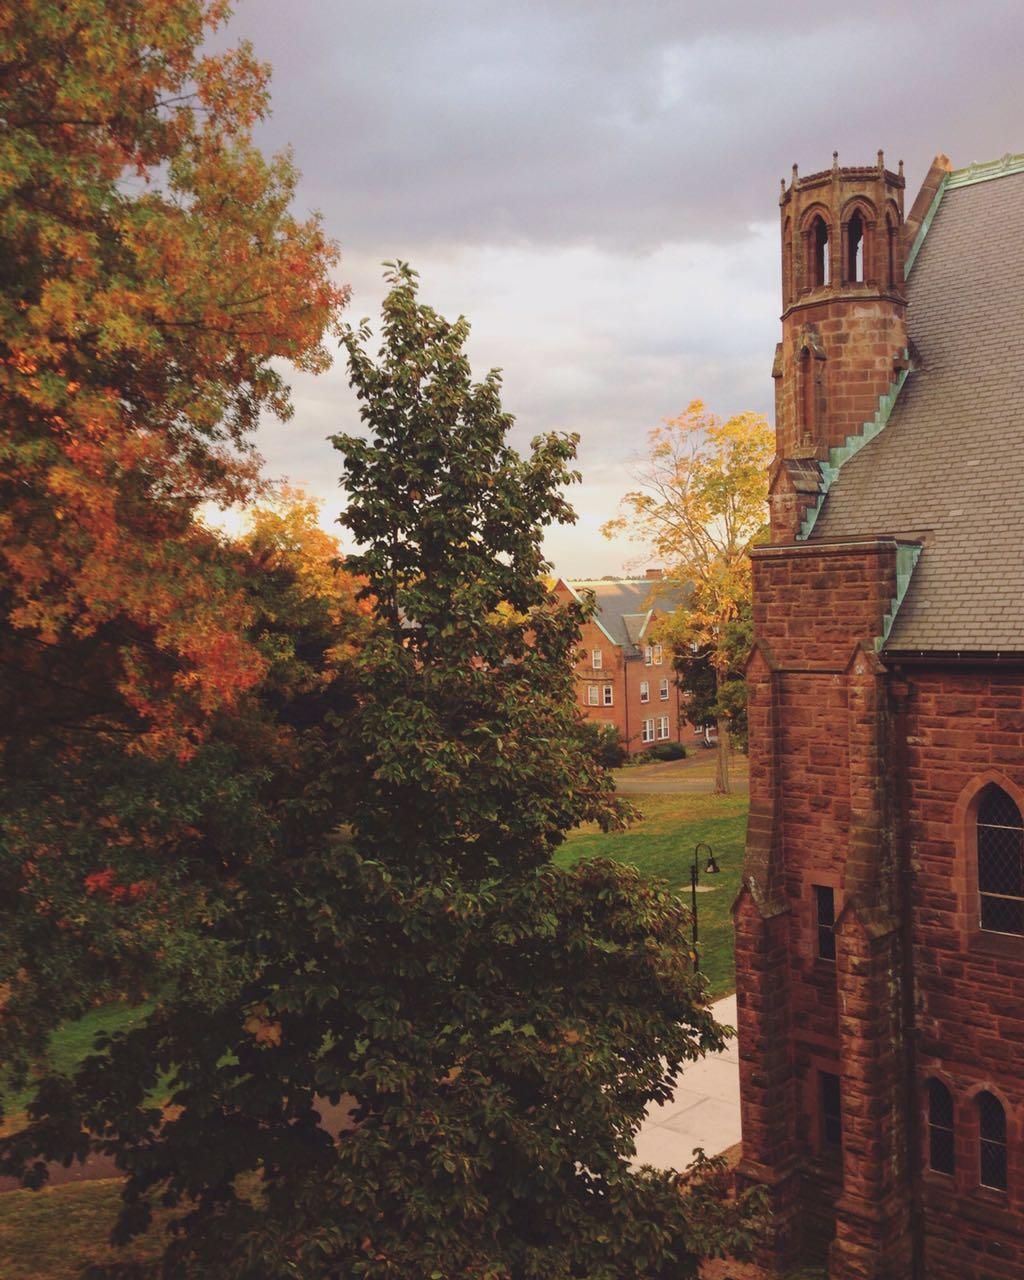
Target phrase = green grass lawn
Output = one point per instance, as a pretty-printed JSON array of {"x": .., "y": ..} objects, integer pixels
[
  {"x": 71, "y": 1043},
  {"x": 661, "y": 844},
  {"x": 61, "y": 1232}
]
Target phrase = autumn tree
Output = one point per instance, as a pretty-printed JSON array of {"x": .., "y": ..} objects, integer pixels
[
  {"x": 152, "y": 279},
  {"x": 488, "y": 1027},
  {"x": 701, "y": 503}
]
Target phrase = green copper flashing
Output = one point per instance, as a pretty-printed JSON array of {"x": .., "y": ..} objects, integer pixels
[
  {"x": 852, "y": 445},
  {"x": 922, "y": 231},
  {"x": 966, "y": 177},
  {"x": 973, "y": 173},
  {"x": 907, "y": 556}
]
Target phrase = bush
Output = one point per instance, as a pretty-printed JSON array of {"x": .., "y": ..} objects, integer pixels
[{"x": 667, "y": 751}]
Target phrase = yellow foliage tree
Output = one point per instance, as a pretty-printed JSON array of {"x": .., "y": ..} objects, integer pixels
[{"x": 701, "y": 503}]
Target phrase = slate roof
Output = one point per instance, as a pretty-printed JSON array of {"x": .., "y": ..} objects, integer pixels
[
  {"x": 948, "y": 468},
  {"x": 624, "y": 604}
]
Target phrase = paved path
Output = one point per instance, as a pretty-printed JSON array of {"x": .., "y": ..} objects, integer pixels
[{"x": 705, "y": 1111}]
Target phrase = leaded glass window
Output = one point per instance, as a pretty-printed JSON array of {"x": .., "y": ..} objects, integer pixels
[
  {"x": 1000, "y": 862},
  {"x": 992, "y": 1132},
  {"x": 941, "y": 1147}
]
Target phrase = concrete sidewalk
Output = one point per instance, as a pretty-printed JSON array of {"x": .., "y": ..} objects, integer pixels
[{"x": 705, "y": 1110}]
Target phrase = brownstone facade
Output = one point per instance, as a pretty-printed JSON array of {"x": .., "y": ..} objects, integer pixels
[{"x": 871, "y": 991}]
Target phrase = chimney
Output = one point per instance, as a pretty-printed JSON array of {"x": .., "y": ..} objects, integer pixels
[{"x": 654, "y": 573}]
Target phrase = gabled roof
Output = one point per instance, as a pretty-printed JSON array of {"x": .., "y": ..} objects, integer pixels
[
  {"x": 948, "y": 468},
  {"x": 624, "y": 606}
]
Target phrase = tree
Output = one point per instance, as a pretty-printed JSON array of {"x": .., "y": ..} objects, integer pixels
[
  {"x": 708, "y": 699},
  {"x": 494, "y": 1026},
  {"x": 702, "y": 503},
  {"x": 152, "y": 276}
]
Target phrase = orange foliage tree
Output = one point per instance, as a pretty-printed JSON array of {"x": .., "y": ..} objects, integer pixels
[
  {"x": 150, "y": 273},
  {"x": 152, "y": 278}
]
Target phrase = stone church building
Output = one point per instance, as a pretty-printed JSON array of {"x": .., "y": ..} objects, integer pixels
[{"x": 880, "y": 926}]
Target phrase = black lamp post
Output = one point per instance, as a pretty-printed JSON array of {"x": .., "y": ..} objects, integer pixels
[{"x": 700, "y": 851}]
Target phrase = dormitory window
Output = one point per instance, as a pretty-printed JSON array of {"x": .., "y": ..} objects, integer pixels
[
  {"x": 825, "y": 920},
  {"x": 608, "y": 695},
  {"x": 663, "y": 691},
  {"x": 649, "y": 655},
  {"x": 658, "y": 658},
  {"x": 593, "y": 696},
  {"x": 992, "y": 1132},
  {"x": 647, "y": 731},
  {"x": 1000, "y": 858},
  {"x": 831, "y": 1112},
  {"x": 645, "y": 691},
  {"x": 662, "y": 727},
  {"x": 595, "y": 659},
  {"x": 941, "y": 1152}
]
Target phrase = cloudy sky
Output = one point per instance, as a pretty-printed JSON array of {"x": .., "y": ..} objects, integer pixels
[{"x": 595, "y": 186}]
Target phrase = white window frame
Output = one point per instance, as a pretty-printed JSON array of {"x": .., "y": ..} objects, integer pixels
[
  {"x": 596, "y": 659},
  {"x": 647, "y": 731},
  {"x": 659, "y": 656},
  {"x": 663, "y": 729},
  {"x": 663, "y": 689},
  {"x": 609, "y": 695},
  {"x": 593, "y": 697},
  {"x": 649, "y": 655},
  {"x": 645, "y": 691}
]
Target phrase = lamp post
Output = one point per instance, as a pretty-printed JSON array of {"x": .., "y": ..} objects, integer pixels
[{"x": 700, "y": 850}]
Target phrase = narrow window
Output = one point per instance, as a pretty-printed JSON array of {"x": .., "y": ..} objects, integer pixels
[
  {"x": 645, "y": 691},
  {"x": 663, "y": 691},
  {"x": 595, "y": 659},
  {"x": 648, "y": 655},
  {"x": 855, "y": 248},
  {"x": 609, "y": 695},
  {"x": 659, "y": 656},
  {"x": 647, "y": 731},
  {"x": 831, "y": 1111},
  {"x": 890, "y": 234},
  {"x": 825, "y": 920},
  {"x": 941, "y": 1152},
  {"x": 992, "y": 1131},
  {"x": 1000, "y": 862},
  {"x": 593, "y": 699},
  {"x": 662, "y": 727},
  {"x": 819, "y": 254}
]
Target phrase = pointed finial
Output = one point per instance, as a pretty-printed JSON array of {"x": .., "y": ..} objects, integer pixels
[
  {"x": 796, "y": 174},
  {"x": 782, "y": 184},
  {"x": 901, "y": 168},
  {"x": 881, "y": 158},
  {"x": 835, "y": 160}
]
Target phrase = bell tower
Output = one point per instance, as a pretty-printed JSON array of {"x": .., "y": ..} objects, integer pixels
[{"x": 844, "y": 333}]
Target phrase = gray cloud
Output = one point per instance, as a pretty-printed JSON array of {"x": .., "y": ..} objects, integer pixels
[
  {"x": 623, "y": 124},
  {"x": 594, "y": 184}
]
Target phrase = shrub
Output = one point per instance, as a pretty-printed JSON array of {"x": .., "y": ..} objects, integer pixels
[{"x": 667, "y": 751}]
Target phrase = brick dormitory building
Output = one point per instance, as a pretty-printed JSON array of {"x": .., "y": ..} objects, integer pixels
[
  {"x": 880, "y": 926},
  {"x": 624, "y": 676}
]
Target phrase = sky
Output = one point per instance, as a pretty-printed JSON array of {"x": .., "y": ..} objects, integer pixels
[{"x": 595, "y": 186}]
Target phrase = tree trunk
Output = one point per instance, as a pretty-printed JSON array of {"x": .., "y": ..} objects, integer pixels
[{"x": 722, "y": 787}]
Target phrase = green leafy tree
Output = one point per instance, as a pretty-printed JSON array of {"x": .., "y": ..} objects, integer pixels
[{"x": 489, "y": 1027}]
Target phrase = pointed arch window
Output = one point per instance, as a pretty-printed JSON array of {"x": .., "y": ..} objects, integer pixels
[
  {"x": 941, "y": 1147},
  {"x": 855, "y": 248},
  {"x": 890, "y": 250},
  {"x": 992, "y": 1133},
  {"x": 819, "y": 250},
  {"x": 1000, "y": 833}
]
